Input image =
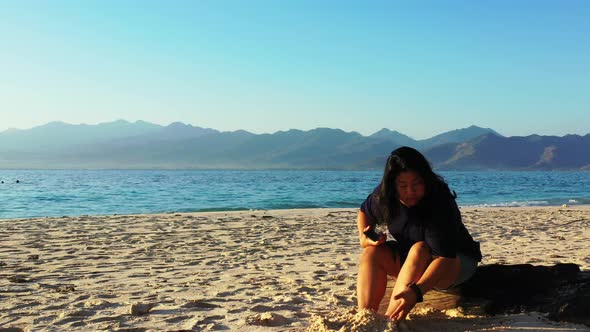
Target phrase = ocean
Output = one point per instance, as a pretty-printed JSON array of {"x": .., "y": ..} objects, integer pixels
[{"x": 41, "y": 193}]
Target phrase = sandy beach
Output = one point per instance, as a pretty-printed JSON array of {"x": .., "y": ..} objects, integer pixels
[{"x": 276, "y": 270}]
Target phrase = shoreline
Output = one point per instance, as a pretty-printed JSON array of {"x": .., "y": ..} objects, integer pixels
[{"x": 258, "y": 270}]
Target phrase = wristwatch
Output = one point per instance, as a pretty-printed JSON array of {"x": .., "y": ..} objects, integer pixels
[{"x": 417, "y": 290}]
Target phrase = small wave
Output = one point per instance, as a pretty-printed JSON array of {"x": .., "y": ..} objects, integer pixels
[
  {"x": 511, "y": 204},
  {"x": 573, "y": 201},
  {"x": 285, "y": 206},
  {"x": 342, "y": 204},
  {"x": 216, "y": 209}
]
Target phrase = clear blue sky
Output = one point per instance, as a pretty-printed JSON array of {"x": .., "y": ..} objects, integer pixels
[{"x": 419, "y": 67}]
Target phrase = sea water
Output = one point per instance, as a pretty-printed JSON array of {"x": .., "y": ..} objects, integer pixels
[{"x": 41, "y": 193}]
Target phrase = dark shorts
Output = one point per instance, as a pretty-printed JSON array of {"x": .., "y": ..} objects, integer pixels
[{"x": 394, "y": 246}]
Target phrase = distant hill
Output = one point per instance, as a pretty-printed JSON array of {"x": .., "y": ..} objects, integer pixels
[
  {"x": 533, "y": 152},
  {"x": 59, "y": 134},
  {"x": 456, "y": 136},
  {"x": 143, "y": 145},
  {"x": 395, "y": 137}
]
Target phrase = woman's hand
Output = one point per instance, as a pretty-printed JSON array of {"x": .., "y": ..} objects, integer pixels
[
  {"x": 366, "y": 241},
  {"x": 406, "y": 300}
]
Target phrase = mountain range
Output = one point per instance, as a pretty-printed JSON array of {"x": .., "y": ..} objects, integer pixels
[{"x": 143, "y": 145}]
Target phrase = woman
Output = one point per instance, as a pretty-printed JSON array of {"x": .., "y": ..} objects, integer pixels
[{"x": 432, "y": 247}]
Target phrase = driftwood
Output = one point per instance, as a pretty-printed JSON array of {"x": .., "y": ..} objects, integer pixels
[{"x": 562, "y": 291}]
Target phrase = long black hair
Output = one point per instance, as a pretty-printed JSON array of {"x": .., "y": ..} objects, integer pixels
[{"x": 408, "y": 159}]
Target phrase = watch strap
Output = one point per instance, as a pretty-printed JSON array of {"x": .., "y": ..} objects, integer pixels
[{"x": 417, "y": 290}]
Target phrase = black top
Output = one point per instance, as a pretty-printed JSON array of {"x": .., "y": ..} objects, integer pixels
[{"x": 437, "y": 221}]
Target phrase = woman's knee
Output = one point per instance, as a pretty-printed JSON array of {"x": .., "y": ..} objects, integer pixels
[
  {"x": 380, "y": 257},
  {"x": 374, "y": 255},
  {"x": 420, "y": 249},
  {"x": 370, "y": 255}
]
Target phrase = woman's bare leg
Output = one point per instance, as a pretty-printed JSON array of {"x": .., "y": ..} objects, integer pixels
[
  {"x": 376, "y": 263},
  {"x": 416, "y": 263},
  {"x": 425, "y": 270},
  {"x": 442, "y": 272}
]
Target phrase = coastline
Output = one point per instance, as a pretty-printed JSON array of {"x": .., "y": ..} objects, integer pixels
[{"x": 267, "y": 270}]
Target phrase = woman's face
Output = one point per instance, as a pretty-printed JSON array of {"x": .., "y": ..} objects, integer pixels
[{"x": 410, "y": 188}]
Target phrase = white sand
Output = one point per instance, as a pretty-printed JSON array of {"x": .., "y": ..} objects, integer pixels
[{"x": 251, "y": 270}]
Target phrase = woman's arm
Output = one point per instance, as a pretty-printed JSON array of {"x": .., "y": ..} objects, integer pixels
[{"x": 364, "y": 225}]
